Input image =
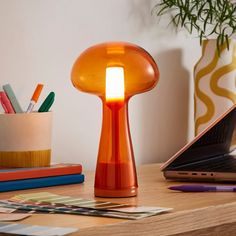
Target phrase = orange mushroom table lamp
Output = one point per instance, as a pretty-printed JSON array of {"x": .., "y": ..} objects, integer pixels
[{"x": 115, "y": 72}]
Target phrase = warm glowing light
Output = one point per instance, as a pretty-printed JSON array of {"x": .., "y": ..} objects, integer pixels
[{"x": 115, "y": 88}]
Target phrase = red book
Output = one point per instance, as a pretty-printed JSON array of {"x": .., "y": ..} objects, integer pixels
[{"x": 38, "y": 172}]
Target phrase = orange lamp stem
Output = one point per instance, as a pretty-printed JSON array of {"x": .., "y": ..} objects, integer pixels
[{"x": 115, "y": 172}]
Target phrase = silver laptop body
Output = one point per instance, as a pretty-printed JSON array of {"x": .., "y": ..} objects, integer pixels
[{"x": 209, "y": 156}]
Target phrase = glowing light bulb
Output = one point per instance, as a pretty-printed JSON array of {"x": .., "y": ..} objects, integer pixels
[{"x": 115, "y": 88}]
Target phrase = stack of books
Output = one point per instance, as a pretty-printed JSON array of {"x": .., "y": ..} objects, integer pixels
[{"x": 37, "y": 177}]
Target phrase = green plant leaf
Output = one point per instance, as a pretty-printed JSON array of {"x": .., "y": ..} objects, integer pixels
[
  {"x": 227, "y": 40},
  {"x": 205, "y": 17},
  {"x": 218, "y": 44}
]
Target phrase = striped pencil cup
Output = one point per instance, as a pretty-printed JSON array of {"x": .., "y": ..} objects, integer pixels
[{"x": 25, "y": 139}]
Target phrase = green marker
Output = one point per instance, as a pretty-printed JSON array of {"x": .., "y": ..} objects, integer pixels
[{"x": 47, "y": 103}]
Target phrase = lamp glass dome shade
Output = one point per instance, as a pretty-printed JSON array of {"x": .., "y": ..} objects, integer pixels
[{"x": 140, "y": 70}]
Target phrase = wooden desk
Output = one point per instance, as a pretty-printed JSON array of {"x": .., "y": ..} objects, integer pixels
[{"x": 193, "y": 214}]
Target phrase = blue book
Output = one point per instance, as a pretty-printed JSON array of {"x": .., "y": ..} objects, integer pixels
[{"x": 41, "y": 182}]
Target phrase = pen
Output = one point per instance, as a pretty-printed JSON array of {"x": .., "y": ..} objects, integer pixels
[
  {"x": 6, "y": 104},
  {"x": 34, "y": 98},
  {"x": 47, "y": 103},
  {"x": 203, "y": 188}
]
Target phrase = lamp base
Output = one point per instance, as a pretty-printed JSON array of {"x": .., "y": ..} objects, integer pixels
[{"x": 131, "y": 192}]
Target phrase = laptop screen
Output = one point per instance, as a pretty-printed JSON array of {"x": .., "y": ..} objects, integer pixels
[{"x": 219, "y": 140}]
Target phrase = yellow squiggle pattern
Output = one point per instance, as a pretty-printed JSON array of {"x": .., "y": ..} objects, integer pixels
[
  {"x": 195, "y": 67},
  {"x": 203, "y": 54},
  {"x": 202, "y": 96},
  {"x": 218, "y": 74}
]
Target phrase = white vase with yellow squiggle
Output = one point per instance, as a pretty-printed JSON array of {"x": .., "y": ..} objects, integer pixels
[{"x": 214, "y": 83}]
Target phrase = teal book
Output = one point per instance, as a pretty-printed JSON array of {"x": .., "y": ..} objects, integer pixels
[{"x": 41, "y": 182}]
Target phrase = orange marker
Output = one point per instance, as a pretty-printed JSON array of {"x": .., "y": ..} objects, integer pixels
[{"x": 34, "y": 98}]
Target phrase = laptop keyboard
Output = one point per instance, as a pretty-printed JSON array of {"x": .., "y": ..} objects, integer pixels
[{"x": 220, "y": 164}]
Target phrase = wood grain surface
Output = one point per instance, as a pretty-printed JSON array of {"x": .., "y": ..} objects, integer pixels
[
  {"x": 193, "y": 213},
  {"x": 37, "y": 158}
]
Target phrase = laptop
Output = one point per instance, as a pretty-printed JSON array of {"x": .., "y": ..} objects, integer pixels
[{"x": 209, "y": 156}]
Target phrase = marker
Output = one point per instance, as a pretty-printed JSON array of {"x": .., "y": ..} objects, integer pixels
[
  {"x": 12, "y": 97},
  {"x": 6, "y": 104},
  {"x": 203, "y": 188},
  {"x": 47, "y": 103},
  {"x": 34, "y": 98}
]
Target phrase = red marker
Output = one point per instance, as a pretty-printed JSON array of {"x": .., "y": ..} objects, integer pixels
[{"x": 6, "y": 104}]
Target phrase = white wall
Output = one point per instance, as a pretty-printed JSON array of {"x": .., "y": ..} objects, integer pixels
[{"x": 39, "y": 42}]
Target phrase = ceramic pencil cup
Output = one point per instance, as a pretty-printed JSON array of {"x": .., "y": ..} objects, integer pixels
[{"x": 25, "y": 139}]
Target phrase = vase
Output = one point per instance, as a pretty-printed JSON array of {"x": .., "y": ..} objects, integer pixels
[{"x": 214, "y": 82}]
